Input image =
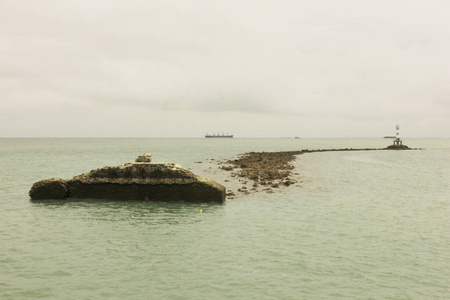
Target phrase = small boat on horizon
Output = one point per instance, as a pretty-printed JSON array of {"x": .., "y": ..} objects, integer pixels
[{"x": 208, "y": 136}]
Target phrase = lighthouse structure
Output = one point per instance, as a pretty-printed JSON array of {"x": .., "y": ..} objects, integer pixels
[{"x": 397, "y": 141}]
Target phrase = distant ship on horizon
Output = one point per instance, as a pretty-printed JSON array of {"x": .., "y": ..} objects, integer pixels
[{"x": 208, "y": 136}]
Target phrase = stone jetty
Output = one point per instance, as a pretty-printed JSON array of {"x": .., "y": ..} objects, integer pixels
[
  {"x": 141, "y": 180},
  {"x": 274, "y": 169}
]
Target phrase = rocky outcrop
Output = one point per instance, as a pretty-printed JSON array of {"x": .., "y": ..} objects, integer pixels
[
  {"x": 55, "y": 188},
  {"x": 397, "y": 147},
  {"x": 263, "y": 166},
  {"x": 133, "y": 181},
  {"x": 147, "y": 157}
]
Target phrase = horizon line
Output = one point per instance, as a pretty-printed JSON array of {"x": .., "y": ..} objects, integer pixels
[{"x": 196, "y": 137}]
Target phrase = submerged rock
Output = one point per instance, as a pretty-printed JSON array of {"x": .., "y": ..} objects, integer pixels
[{"x": 133, "y": 181}]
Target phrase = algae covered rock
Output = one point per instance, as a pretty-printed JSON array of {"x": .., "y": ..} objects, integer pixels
[{"x": 133, "y": 181}]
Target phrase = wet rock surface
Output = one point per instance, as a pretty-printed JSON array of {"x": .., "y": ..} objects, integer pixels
[
  {"x": 270, "y": 169},
  {"x": 263, "y": 166},
  {"x": 55, "y": 188},
  {"x": 133, "y": 181}
]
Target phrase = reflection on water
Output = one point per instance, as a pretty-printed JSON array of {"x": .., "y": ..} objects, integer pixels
[{"x": 146, "y": 212}]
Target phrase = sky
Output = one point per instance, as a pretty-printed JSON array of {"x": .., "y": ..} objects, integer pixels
[{"x": 252, "y": 68}]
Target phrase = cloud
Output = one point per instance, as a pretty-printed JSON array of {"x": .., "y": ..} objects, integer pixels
[{"x": 347, "y": 61}]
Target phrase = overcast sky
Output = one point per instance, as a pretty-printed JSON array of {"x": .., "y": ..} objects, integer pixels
[{"x": 254, "y": 68}]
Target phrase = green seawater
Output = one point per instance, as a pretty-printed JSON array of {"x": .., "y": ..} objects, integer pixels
[{"x": 359, "y": 225}]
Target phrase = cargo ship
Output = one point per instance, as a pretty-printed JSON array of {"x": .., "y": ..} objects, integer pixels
[{"x": 229, "y": 136}]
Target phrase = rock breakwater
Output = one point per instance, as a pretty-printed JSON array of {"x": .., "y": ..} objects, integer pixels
[{"x": 273, "y": 169}]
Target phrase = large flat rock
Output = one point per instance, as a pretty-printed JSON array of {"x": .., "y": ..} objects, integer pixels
[{"x": 132, "y": 181}]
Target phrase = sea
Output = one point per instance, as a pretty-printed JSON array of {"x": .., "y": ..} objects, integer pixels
[{"x": 357, "y": 225}]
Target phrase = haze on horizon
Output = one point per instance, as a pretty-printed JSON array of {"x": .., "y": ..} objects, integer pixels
[{"x": 253, "y": 68}]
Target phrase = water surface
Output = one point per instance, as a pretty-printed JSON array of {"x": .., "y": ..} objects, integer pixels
[{"x": 361, "y": 225}]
